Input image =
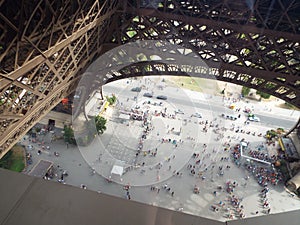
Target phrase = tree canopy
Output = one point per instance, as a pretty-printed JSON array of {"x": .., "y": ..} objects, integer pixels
[
  {"x": 245, "y": 91},
  {"x": 69, "y": 135},
  {"x": 263, "y": 94},
  {"x": 100, "y": 123},
  {"x": 111, "y": 99}
]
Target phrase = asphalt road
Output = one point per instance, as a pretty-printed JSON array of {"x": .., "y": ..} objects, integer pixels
[
  {"x": 219, "y": 109},
  {"x": 80, "y": 172},
  {"x": 214, "y": 105}
]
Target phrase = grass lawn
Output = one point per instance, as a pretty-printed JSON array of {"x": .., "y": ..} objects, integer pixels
[
  {"x": 14, "y": 159},
  {"x": 288, "y": 106},
  {"x": 194, "y": 84}
]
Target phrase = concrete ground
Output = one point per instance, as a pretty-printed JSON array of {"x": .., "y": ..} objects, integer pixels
[
  {"x": 80, "y": 172},
  {"x": 117, "y": 146}
]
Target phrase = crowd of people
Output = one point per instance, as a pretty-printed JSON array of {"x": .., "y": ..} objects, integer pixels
[
  {"x": 231, "y": 206},
  {"x": 264, "y": 174},
  {"x": 259, "y": 155},
  {"x": 204, "y": 162}
]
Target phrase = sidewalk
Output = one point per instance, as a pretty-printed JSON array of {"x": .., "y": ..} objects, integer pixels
[{"x": 119, "y": 143}]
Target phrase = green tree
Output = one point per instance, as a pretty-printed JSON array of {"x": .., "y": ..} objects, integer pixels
[
  {"x": 271, "y": 134},
  {"x": 111, "y": 99},
  {"x": 5, "y": 162},
  {"x": 245, "y": 91},
  {"x": 100, "y": 124},
  {"x": 263, "y": 94},
  {"x": 38, "y": 129},
  {"x": 69, "y": 135}
]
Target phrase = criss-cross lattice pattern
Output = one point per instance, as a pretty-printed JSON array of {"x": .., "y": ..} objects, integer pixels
[
  {"x": 46, "y": 45},
  {"x": 252, "y": 43},
  {"x": 43, "y": 45}
]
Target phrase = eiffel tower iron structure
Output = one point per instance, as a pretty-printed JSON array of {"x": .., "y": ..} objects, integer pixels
[{"x": 46, "y": 45}]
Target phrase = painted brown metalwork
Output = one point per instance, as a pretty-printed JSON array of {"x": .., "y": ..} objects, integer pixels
[
  {"x": 252, "y": 43},
  {"x": 46, "y": 45},
  {"x": 43, "y": 45}
]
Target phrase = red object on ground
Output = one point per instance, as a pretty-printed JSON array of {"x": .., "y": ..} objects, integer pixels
[{"x": 64, "y": 101}]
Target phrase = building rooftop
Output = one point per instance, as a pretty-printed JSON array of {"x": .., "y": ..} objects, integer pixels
[{"x": 41, "y": 168}]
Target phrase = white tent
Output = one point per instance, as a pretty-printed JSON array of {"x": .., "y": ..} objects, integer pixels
[
  {"x": 244, "y": 144},
  {"x": 118, "y": 170}
]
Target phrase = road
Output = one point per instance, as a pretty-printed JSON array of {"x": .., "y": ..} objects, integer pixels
[
  {"x": 80, "y": 164},
  {"x": 213, "y": 105},
  {"x": 268, "y": 120}
]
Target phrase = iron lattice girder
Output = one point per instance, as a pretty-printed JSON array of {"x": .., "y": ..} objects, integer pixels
[
  {"x": 277, "y": 15},
  {"x": 225, "y": 73},
  {"x": 266, "y": 49},
  {"x": 264, "y": 53},
  {"x": 44, "y": 44},
  {"x": 159, "y": 57},
  {"x": 38, "y": 66}
]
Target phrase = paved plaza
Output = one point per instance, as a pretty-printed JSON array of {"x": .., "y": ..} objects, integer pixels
[{"x": 170, "y": 165}]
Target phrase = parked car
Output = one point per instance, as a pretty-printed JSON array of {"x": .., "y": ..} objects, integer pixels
[
  {"x": 254, "y": 118},
  {"x": 162, "y": 97},
  {"x": 179, "y": 111},
  {"x": 136, "y": 89},
  {"x": 149, "y": 95},
  {"x": 198, "y": 115}
]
